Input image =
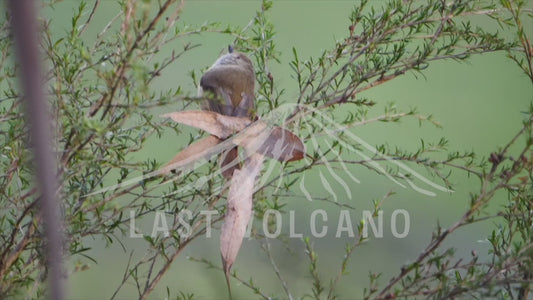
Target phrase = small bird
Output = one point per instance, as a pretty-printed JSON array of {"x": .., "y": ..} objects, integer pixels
[
  {"x": 228, "y": 89},
  {"x": 229, "y": 86}
]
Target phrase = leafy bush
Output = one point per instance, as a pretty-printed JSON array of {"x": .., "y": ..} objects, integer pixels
[{"x": 101, "y": 95}]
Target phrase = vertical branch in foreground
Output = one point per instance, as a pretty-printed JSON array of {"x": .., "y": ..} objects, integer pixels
[{"x": 25, "y": 30}]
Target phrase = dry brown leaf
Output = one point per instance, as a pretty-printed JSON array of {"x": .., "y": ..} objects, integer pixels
[
  {"x": 274, "y": 142},
  {"x": 282, "y": 145},
  {"x": 216, "y": 124},
  {"x": 229, "y": 162},
  {"x": 257, "y": 138},
  {"x": 239, "y": 210},
  {"x": 195, "y": 151}
]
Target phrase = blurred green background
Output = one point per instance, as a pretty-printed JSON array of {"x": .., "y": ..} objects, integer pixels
[{"x": 478, "y": 103}]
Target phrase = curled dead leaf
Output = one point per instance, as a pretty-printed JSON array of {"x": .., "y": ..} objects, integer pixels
[
  {"x": 273, "y": 142},
  {"x": 282, "y": 145}
]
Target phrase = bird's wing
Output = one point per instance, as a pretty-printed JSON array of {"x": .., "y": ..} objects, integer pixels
[{"x": 217, "y": 82}]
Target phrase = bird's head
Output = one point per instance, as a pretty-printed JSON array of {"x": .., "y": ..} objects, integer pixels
[{"x": 236, "y": 59}]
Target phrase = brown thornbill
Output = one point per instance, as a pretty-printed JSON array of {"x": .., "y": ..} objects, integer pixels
[
  {"x": 227, "y": 116},
  {"x": 229, "y": 86}
]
